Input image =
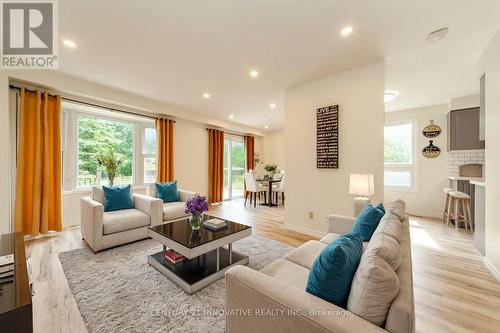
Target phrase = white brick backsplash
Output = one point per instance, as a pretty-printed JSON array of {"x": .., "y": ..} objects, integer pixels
[{"x": 457, "y": 158}]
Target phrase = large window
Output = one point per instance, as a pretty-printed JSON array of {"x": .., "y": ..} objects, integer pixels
[
  {"x": 149, "y": 152},
  {"x": 234, "y": 167},
  {"x": 91, "y": 133},
  {"x": 98, "y": 137},
  {"x": 399, "y": 156}
]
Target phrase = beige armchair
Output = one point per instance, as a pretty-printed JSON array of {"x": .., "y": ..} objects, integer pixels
[
  {"x": 102, "y": 230},
  {"x": 173, "y": 211}
]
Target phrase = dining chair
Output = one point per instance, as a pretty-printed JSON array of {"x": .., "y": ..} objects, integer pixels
[
  {"x": 255, "y": 189},
  {"x": 280, "y": 188}
]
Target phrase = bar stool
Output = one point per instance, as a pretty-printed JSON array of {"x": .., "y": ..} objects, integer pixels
[
  {"x": 447, "y": 203},
  {"x": 459, "y": 209}
]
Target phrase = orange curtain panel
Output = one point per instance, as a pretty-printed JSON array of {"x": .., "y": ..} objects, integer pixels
[
  {"x": 249, "y": 152},
  {"x": 38, "y": 173},
  {"x": 215, "y": 165},
  {"x": 164, "y": 150}
]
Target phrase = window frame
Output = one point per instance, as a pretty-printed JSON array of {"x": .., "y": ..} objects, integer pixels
[
  {"x": 71, "y": 147},
  {"x": 412, "y": 167},
  {"x": 143, "y": 151}
]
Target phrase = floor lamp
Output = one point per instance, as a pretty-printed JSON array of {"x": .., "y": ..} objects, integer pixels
[{"x": 362, "y": 186}]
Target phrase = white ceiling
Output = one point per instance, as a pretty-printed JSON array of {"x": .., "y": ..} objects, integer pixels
[{"x": 176, "y": 50}]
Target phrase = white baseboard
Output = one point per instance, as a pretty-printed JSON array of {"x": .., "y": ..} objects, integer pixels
[
  {"x": 306, "y": 231},
  {"x": 420, "y": 213},
  {"x": 492, "y": 269}
]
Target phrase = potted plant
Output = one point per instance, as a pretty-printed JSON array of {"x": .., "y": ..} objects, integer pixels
[
  {"x": 256, "y": 161},
  {"x": 271, "y": 169},
  {"x": 196, "y": 207},
  {"x": 110, "y": 163}
]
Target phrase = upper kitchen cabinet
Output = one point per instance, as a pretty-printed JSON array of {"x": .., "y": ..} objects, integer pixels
[{"x": 464, "y": 129}]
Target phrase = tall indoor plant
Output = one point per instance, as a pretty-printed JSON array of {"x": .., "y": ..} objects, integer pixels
[{"x": 110, "y": 162}]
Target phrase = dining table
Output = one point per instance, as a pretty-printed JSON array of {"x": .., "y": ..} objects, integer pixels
[{"x": 270, "y": 181}]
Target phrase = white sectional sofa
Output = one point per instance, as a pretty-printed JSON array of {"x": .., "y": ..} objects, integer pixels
[{"x": 280, "y": 288}]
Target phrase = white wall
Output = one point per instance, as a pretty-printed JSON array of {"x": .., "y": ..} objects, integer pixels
[
  {"x": 490, "y": 64},
  {"x": 274, "y": 149},
  {"x": 465, "y": 102},
  {"x": 428, "y": 199},
  {"x": 190, "y": 140},
  {"x": 359, "y": 94}
]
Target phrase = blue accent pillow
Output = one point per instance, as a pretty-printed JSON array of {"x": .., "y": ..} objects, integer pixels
[
  {"x": 333, "y": 270},
  {"x": 381, "y": 207},
  {"x": 167, "y": 191},
  {"x": 117, "y": 197},
  {"x": 366, "y": 222}
]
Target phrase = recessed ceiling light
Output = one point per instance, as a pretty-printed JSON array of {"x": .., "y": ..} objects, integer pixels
[
  {"x": 69, "y": 43},
  {"x": 346, "y": 31},
  {"x": 272, "y": 105},
  {"x": 254, "y": 73},
  {"x": 266, "y": 127},
  {"x": 231, "y": 116},
  {"x": 389, "y": 96},
  {"x": 206, "y": 95},
  {"x": 437, "y": 35}
]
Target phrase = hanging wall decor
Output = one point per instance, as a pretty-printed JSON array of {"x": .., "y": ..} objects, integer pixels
[
  {"x": 431, "y": 151},
  {"x": 327, "y": 137},
  {"x": 432, "y": 130}
]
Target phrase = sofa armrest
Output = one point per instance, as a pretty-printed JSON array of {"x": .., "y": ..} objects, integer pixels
[
  {"x": 186, "y": 195},
  {"x": 340, "y": 224},
  {"x": 150, "y": 206},
  {"x": 91, "y": 213},
  {"x": 256, "y": 302}
]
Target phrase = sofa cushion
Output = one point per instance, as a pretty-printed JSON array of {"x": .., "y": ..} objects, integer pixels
[
  {"x": 98, "y": 194},
  {"x": 305, "y": 254},
  {"x": 332, "y": 272},
  {"x": 331, "y": 236},
  {"x": 397, "y": 208},
  {"x": 117, "y": 197},
  {"x": 374, "y": 287},
  {"x": 367, "y": 221},
  {"x": 173, "y": 210},
  {"x": 387, "y": 248},
  {"x": 381, "y": 207},
  {"x": 390, "y": 225},
  {"x": 288, "y": 272},
  {"x": 167, "y": 191},
  {"x": 123, "y": 220}
]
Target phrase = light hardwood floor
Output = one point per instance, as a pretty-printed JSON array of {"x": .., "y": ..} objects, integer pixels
[{"x": 454, "y": 291}]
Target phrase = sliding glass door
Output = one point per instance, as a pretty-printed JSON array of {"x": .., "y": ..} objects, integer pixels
[{"x": 234, "y": 167}]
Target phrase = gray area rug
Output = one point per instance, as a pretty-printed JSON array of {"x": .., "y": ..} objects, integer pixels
[{"x": 117, "y": 291}]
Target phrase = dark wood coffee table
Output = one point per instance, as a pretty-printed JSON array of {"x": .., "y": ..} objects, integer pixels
[{"x": 207, "y": 256}]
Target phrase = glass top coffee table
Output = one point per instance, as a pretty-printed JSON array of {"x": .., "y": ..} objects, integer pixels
[{"x": 207, "y": 257}]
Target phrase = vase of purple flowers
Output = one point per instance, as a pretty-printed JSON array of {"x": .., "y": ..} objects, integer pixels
[{"x": 196, "y": 207}]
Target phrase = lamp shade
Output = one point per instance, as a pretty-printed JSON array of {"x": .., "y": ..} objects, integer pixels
[{"x": 361, "y": 185}]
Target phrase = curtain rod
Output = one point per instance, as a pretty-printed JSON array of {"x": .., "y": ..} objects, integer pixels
[
  {"x": 11, "y": 86},
  {"x": 242, "y": 135}
]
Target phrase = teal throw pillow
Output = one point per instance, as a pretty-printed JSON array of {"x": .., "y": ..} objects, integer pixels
[
  {"x": 117, "y": 197},
  {"x": 333, "y": 270},
  {"x": 167, "y": 191},
  {"x": 366, "y": 222},
  {"x": 381, "y": 207}
]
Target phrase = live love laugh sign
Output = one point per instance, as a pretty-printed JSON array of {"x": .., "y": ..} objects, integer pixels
[{"x": 327, "y": 137}]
